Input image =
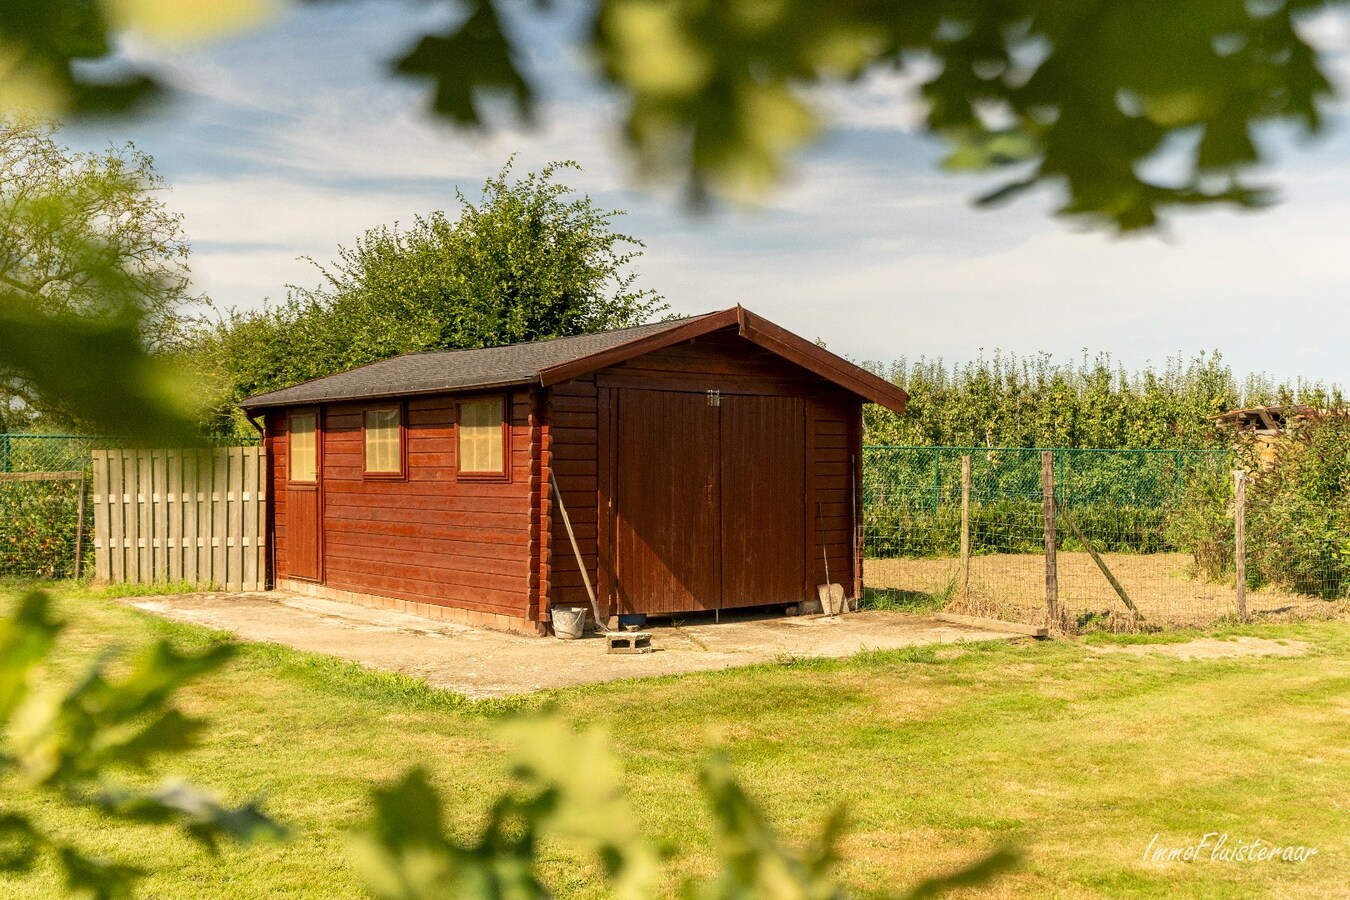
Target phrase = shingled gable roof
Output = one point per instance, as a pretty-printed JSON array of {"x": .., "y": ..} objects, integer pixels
[{"x": 563, "y": 359}]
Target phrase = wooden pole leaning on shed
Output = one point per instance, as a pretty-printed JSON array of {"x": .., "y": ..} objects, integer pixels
[
  {"x": 965, "y": 527},
  {"x": 1240, "y": 541},
  {"x": 576, "y": 549},
  {"x": 1048, "y": 514}
]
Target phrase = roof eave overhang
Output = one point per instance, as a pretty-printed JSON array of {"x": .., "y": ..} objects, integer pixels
[{"x": 755, "y": 329}]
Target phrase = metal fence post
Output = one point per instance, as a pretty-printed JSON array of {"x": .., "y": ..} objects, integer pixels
[
  {"x": 1240, "y": 541},
  {"x": 1048, "y": 514}
]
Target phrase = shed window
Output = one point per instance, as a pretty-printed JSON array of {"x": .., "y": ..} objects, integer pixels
[
  {"x": 481, "y": 436},
  {"x": 304, "y": 449},
  {"x": 384, "y": 450}
]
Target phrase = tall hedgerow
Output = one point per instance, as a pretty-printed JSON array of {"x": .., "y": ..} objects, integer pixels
[{"x": 1004, "y": 400}]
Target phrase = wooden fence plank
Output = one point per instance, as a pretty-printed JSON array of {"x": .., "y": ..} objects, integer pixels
[
  {"x": 117, "y": 496},
  {"x": 249, "y": 505},
  {"x": 159, "y": 513},
  {"x": 234, "y": 550},
  {"x": 220, "y": 485},
  {"x": 173, "y": 481},
  {"x": 188, "y": 497},
  {"x": 144, "y": 532},
  {"x": 205, "y": 490},
  {"x": 102, "y": 526}
]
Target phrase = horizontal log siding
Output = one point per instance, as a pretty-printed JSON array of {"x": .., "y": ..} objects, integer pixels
[
  {"x": 274, "y": 427},
  {"x": 571, "y": 457},
  {"x": 428, "y": 538},
  {"x": 832, "y": 427}
]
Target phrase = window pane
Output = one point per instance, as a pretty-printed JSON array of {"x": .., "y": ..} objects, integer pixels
[
  {"x": 382, "y": 441},
  {"x": 480, "y": 436},
  {"x": 303, "y": 448}
]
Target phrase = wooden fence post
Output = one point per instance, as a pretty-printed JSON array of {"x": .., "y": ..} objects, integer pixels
[
  {"x": 965, "y": 527},
  {"x": 1240, "y": 541},
  {"x": 1048, "y": 514}
]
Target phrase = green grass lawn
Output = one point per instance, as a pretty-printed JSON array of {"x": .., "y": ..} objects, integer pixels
[{"x": 1077, "y": 758}]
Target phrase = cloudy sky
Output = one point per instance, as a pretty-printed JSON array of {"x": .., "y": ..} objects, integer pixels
[{"x": 290, "y": 140}]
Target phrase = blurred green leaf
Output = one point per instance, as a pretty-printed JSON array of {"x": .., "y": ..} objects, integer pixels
[
  {"x": 68, "y": 742},
  {"x": 721, "y": 95},
  {"x": 970, "y": 876},
  {"x": 201, "y": 815},
  {"x": 102, "y": 723},
  {"x": 466, "y": 62},
  {"x": 100, "y": 371},
  {"x": 566, "y": 790},
  {"x": 93, "y": 289},
  {"x": 755, "y": 864},
  {"x": 26, "y": 637}
]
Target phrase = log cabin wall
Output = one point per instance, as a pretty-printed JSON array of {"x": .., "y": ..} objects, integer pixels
[
  {"x": 572, "y": 444},
  {"x": 429, "y": 537},
  {"x": 833, "y": 458}
]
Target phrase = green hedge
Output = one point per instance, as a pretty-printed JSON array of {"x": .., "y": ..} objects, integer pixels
[
  {"x": 1298, "y": 514},
  {"x": 37, "y": 529}
]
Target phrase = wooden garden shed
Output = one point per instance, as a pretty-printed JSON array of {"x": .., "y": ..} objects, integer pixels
[{"x": 705, "y": 463}]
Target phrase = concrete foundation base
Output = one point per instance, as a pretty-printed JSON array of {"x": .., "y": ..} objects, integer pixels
[{"x": 495, "y": 621}]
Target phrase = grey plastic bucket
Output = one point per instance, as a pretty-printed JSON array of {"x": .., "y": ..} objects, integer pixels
[{"x": 568, "y": 622}]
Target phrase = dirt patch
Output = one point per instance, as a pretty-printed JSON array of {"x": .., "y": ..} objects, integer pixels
[
  {"x": 1211, "y": 648},
  {"x": 482, "y": 663},
  {"x": 1012, "y": 586}
]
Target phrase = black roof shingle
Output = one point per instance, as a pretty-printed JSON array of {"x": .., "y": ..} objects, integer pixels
[{"x": 455, "y": 370}]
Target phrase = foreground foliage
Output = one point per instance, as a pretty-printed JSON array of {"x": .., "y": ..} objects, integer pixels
[
  {"x": 93, "y": 284},
  {"x": 71, "y": 742},
  {"x": 939, "y": 753},
  {"x": 566, "y": 790},
  {"x": 1082, "y": 97}
]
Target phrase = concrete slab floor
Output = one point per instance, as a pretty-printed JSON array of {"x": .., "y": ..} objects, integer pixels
[{"x": 479, "y": 662}]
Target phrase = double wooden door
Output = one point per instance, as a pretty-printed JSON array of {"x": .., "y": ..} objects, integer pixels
[{"x": 709, "y": 501}]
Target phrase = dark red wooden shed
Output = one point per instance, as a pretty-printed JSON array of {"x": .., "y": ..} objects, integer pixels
[{"x": 705, "y": 463}]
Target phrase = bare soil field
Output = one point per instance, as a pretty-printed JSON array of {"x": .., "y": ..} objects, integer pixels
[{"x": 1012, "y": 586}]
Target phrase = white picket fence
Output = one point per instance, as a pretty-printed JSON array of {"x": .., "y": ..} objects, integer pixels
[{"x": 181, "y": 515}]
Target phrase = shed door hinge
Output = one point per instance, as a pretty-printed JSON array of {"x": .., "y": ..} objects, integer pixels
[{"x": 714, "y": 398}]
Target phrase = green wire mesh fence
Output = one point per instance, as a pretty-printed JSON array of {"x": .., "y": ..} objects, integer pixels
[{"x": 1142, "y": 538}]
